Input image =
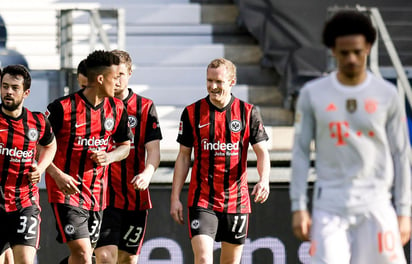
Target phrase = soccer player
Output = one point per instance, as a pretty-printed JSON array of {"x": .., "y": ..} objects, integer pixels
[
  {"x": 84, "y": 122},
  {"x": 125, "y": 218},
  {"x": 362, "y": 151},
  {"x": 219, "y": 129},
  {"x": 82, "y": 74},
  {"x": 27, "y": 147}
]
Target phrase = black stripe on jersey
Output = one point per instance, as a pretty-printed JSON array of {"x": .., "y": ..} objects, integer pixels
[
  {"x": 69, "y": 151},
  {"x": 211, "y": 170},
  {"x": 6, "y": 161},
  {"x": 226, "y": 179},
  {"x": 102, "y": 133},
  {"x": 199, "y": 153},
  {"x": 240, "y": 163},
  {"x": 83, "y": 156},
  {"x": 139, "y": 121},
  {"x": 20, "y": 175}
]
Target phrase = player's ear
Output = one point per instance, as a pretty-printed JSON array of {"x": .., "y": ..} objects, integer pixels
[
  {"x": 26, "y": 93},
  {"x": 100, "y": 78}
]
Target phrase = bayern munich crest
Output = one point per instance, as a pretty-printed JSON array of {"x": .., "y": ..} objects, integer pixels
[
  {"x": 33, "y": 134},
  {"x": 132, "y": 121},
  {"x": 109, "y": 124},
  {"x": 235, "y": 126}
]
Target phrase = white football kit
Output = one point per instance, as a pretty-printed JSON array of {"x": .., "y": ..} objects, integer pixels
[{"x": 361, "y": 159}]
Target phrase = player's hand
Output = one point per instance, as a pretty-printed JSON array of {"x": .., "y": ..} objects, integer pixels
[
  {"x": 176, "y": 211},
  {"x": 34, "y": 174},
  {"x": 67, "y": 184},
  {"x": 404, "y": 223},
  {"x": 261, "y": 192},
  {"x": 101, "y": 158},
  {"x": 141, "y": 181},
  {"x": 301, "y": 223}
]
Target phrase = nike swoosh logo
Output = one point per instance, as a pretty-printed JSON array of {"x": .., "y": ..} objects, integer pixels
[
  {"x": 79, "y": 125},
  {"x": 239, "y": 236},
  {"x": 200, "y": 126},
  {"x": 29, "y": 237},
  {"x": 133, "y": 245}
]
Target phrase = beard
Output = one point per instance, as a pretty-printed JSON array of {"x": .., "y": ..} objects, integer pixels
[{"x": 11, "y": 105}]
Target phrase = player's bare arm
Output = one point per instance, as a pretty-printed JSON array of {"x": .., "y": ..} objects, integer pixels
[
  {"x": 66, "y": 183},
  {"x": 103, "y": 158},
  {"x": 181, "y": 170},
  {"x": 45, "y": 155},
  {"x": 261, "y": 190},
  {"x": 142, "y": 180},
  {"x": 301, "y": 223}
]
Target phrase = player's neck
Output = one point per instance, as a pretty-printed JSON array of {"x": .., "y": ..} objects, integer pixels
[
  {"x": 123, "y": 95},
  {"x": 15, "y": 113},
  {"x": 93, "y": 97},
  {"x": 351, "y": 80}
]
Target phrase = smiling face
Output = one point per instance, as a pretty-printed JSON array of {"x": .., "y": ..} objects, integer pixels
[
  {"x": 219, "y": 85},
  {"x": 12, "y": 92}
]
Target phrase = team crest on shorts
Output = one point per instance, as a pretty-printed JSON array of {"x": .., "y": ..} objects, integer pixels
[
  {"x": 109, "y": 124},
  {"x": 33, "y": 134},
  {"x": 132, "y": 121},
  {"x": 235, "y": 126},
  {"x": 351, "y": 105},
  {"x": 69, "y": 229},
  {"x": 195, "y": 224}
]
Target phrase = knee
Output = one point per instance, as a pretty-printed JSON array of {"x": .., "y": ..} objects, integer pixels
[{"x": 104, "y": 256}]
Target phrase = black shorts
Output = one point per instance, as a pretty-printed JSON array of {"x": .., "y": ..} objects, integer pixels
[
  {"x": 74, "y": 223},
  {"x": 231, "y": 228},
  {"x": 21, "y": 227},
  {"x": 125, "y": 229}
]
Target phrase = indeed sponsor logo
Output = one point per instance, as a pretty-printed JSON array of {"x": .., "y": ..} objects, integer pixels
[
  {"x": 221, "y": 148},
  {"x": 16, "y": 153},
  {"x": 93, "y": 143}
]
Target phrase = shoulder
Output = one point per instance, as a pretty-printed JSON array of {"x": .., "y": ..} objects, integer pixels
[{"x": 318, "y": 83}]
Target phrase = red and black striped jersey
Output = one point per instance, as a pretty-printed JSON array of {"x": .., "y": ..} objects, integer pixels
[
  {"x": 220, "y": 139},
  {"x": 18, "y": 142},
  {"x": 80, "y": 130},
  {"x": 145, "y": 127}
]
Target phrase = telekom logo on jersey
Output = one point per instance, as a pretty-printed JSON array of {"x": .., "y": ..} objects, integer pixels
[
  {"x": 340, "y": 130},
  {"x": 93, "y": 143}
]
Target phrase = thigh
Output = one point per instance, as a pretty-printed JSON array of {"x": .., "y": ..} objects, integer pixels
[
  {"x": 132, "y": 231},
  {"x": 26, "y": 227},
  {"x": 232, "y": 228},
  {"x": 110, "y": 229},
  {"x": 71, "y": 222},
  {"x": 330, "y": 241},
  {"x": 94, "y": 224},
  {"x": 377, "y": 239},
  {"x": 202, "y": 222}
]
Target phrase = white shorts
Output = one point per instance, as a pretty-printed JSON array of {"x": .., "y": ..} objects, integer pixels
[{"x": 371, "y": 237}]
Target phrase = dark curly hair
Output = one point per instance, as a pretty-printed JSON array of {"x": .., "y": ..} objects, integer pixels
[
  {"x": 346, "y": 23},
  {"x": 99, "y": 61},
  {"x": 18, "y": 69}
]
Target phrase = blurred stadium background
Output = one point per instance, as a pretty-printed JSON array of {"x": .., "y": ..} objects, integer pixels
[{"x": 275, "y": 45}]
